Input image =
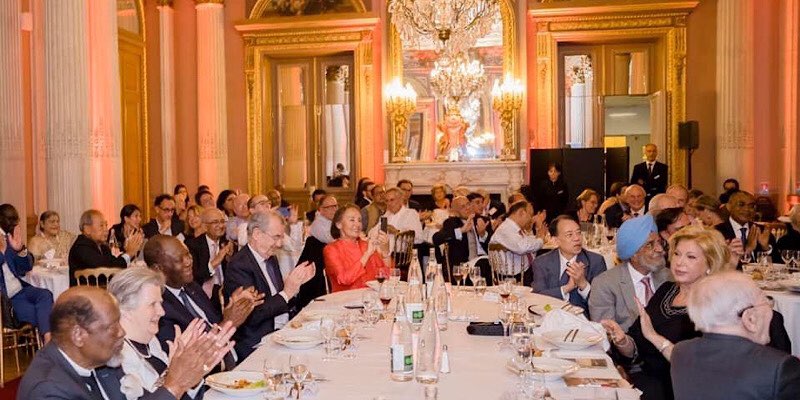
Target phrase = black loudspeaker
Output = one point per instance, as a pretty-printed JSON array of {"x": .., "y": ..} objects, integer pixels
[{"x": 689, "y": 135}]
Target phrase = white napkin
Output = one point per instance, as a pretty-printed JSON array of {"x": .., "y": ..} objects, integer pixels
[
  {"x": 559, "y": 319},
  {"x": 49, "y": 254}
]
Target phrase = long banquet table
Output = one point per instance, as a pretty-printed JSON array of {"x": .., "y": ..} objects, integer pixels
[{"x": 478, "y": 367}]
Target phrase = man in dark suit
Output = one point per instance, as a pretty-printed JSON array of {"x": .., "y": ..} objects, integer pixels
[
  {"x": 90, "y": 249},
  {"x": 742, "y": 208},
  {"x": 210, "y": 252},
  {"x": 164, "y": 223},
  {"x": 183, "y": 298},
  {"x": 731, "y": 360},
  {"x": 87, "y": 336},
  {"x": 566, "y": 273},
  {"x": 651, "y": 174},
  {"x": 634, "y": 206},
  {"x": 256, "y": 265},
  {"x": 467, "y": 237}
]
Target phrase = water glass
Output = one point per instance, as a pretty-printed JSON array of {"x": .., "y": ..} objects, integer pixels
[
  {"x": 299, "y": 369},
  {"x": 746, "y": 257},
  {"x": 480, "y": 286},
  {"x": 274, "y": 379},
  {"x": 327, "y": 329},
  {"x": 394, "y": 276}
]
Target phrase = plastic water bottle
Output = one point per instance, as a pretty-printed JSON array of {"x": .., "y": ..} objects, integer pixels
[
  {"x": 427, "y": 370},
  {"x": 401, "y": 350}
]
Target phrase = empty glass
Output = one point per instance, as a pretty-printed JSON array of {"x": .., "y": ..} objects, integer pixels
[
  {"x": 394, "y": 276},
  {"x": 327, "y": 329},
  {"x": 299, "y": 371},
  {"x": 274, "y": 379}
]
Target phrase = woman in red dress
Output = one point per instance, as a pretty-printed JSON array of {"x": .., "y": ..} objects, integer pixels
[{"x": 352, "y": 260}]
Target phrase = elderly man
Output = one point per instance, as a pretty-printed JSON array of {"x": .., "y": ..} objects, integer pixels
[
  {"x": 183, "y": 298},
  {"x": 86, "y": 337},
  {"x": 633, "y": 207},
  {"x": 467, "y": 237},
  {"x": 30, "y": 304},
  {"x": 615, "y": 292},
  {"x": 660, "y": 202},
  {"x": 90, "y": 249},
  {"x": 371, "y": 214},
  {"x": 241, "y": 212},
  {"x": 567, "y": 272},
  {"x": 517, "y": 235},
  {"x": 730, "y": 360},
  {"x": 277, "y": 202},
  {"x": 651, "y": 174},
  {"x": 680, "y": 193},
  {"x": 164, "y": 223},
  {"x": 742, "y": 208},
  {"x": 210, "y": 252},
  {"x": 321, "y": 227},
  {"x": 399, "y": 217},
  {"x": 407, "y": 189},
  {"x": 491, "y": 208},
  {"x": 257, "y": 266}
]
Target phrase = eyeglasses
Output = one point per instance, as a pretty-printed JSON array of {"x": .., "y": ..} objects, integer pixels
[
  {"x": 167, "y": 210},
  {"x": 331, "y": 206},
  {"x": 741, "y": 312},
  {"x": 216, "y": 222},
  {"x": 651, "y": 245},
  {"x": 267, "y": 202}
]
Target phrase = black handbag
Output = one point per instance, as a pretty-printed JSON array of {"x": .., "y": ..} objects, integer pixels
[{"x": 10, "y": 321}]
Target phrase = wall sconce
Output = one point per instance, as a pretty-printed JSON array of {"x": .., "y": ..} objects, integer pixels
[
  {"x": 401, "y": 102},
  {"x": 507, "y": 100}
]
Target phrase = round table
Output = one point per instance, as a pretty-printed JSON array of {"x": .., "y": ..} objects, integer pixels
[
  {"x": 788, "y": 304},
  {"x": 56, "y": 280},
  {"x": 478, "y": 367}
]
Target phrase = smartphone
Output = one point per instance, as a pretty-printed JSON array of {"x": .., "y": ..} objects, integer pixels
[{"x": 384, "y": 224}]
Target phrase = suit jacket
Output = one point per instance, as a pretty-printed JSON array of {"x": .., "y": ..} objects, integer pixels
[
  {"x": 201, "y": 254},
  {"x": 370, "y": 216},
  {"x": 86, "y": 253},
  {"x": 244, "y": 270},
  {"x": 727, "y": 231},
  {"x": 458, "y": 250},
  {"x": 654, "y": 183},
  {"x": 150, "y": 229},
  {"x": 175, "y": 313},
  {"x": 19, "y": 266},
  {"x": 496, "y": 209},
  {"x": 312, "y": 251},
  {"x": 615, "y": 213},
  {"x": 613, "y": 295},
  {"x": 717, "y": 366},
  {"x": 50, "y": 376},
  {"x": 547, "y": 276}
]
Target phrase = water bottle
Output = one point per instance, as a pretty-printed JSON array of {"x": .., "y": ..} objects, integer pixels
[
  {"x": 415, "y": 303},
  {"x": 427, "y": 370},
  {"x": 414, "y": 271},
  {"x": 401, "y": 350}
]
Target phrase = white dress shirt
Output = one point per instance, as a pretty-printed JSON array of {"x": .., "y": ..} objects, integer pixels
[
  {"x": 737, "y": 229},
  {"x": 197, "y": 309},
  {"x": 638, "y": 285},
  {"x": 85, "y": 373},
  {"x": 563, "y": 261},
  {"x": 321, "y": 229},
  {"x": 167, "y": 231},
  {"x": 637, "y": 213},
  {"x": 405, "y": 219},
  {"x": 508, "y": 235},
  {"x": 216, "y": 272},
  {"x": 280, "y": 320}
]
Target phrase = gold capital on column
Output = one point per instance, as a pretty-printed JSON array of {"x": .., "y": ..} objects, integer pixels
[{"x": 209, "y": 2}]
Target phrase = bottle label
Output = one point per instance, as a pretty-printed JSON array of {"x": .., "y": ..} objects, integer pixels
[
  {"x": 401, "y": 362},
  {"x": 415, "y": 312}
]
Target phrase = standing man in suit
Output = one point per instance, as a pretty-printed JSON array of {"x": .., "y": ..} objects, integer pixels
[
  {"x": 256, "y": 265},
  {"x": 730, "y": 360},
  {"x": 566, "y": 273},
  {"x": 740, "y": 226},
  {"x": 210, "y": 252},
  {"x": 467, "y": 238},
  {"x": 90, "y": 249},
  {"x": 615, "y": 292},
  {"x": 183, "y": 298},
  {"x": 87, "y": 336},
  {"x": 164, "y": 223},
  {"x": 651, "y": 174}
]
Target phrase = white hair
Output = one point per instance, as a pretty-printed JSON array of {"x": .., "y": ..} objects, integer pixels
[
  {"x": 716, "y": 300},
  {"x": 262, "y": 220},
  {"x": 126, "y": 286},
  {"x": 660, "y": 202}
]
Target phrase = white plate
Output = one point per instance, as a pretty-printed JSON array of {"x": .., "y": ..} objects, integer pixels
[
  {"x": 220, "y": 381},
  {"x": 584, "y": 339},
  {"x": 297, "y": 339},
  {"x": 554, "y": 368},
  {"x": 542, "y": 309}
]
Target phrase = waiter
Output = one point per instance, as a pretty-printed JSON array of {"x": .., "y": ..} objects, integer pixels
[{"x": 651, "y": 174}]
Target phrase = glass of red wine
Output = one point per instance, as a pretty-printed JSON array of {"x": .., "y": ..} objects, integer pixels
[{"x": 381, "y": 275}]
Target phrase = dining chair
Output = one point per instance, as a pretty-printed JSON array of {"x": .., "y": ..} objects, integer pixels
[
  {"x": 403, "y": 251},
  {"x": 12, "y": 339},
  {"x": 503, "y": 261},
  {"x": 95, "y": 276}
]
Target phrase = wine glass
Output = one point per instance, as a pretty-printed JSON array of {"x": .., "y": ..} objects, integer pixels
[
  {"x": 299, "y": 370},
  {"x": 381, "y": 275},
  {"x": 458, "y": 275},
  {"x": 480, "y": 286},
  {"x": 504, "y": 316},
  {"x": 274, "y": 379},
  {"x": 474, "y": 274},
  {"x": 786, "y": 256},
  {"x": 746, "y": 257},
  {"x": 368, "y": 299},
  {"x": 394, "y": 276},
  {"x": 327, "y": 329},
  {"x": 385, "y": 294},
  {"x": 504, "y": 289},
  {"x": 521, "y": 341}
]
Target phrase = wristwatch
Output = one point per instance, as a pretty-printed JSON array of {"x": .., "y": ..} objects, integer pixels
[{"x": 23, "y": 252}]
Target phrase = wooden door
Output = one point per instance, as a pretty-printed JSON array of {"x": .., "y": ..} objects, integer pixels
[{"x": 134, "y": 126}]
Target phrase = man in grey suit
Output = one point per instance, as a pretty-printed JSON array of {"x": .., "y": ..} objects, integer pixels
[
  {"x": 87, "y": 335},
  {"x": 730, "y": 360},
  {"x": 567, "y": 272},
  {"x": 615, "y": 291}
]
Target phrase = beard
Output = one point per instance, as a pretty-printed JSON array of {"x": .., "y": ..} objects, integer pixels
[{"x": 116, "y": 360}]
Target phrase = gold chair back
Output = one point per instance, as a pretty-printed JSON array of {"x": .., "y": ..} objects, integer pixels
[
  {"x": 403, "y": 250},
  {"x": 504, "y": 262},
  {"x": 95, "y": 276}
]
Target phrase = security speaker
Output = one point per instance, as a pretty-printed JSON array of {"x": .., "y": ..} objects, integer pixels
[{"x": 689, "y": 135}]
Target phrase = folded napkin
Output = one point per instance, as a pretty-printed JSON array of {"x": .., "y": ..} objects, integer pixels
[
  {"x": 50, "y": 254},
  {"x": 562, "y": 320},
  {"x": 485, "y": 329}
]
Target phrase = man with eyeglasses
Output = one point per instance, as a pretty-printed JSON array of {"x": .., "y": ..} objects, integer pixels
[
  {"x": 210, "y": 252},
  {"x": 740, "y": 227},
  {"x": 321, "y": 227},
  {"x": 241, "y": 213},
  {"x": 164, "y": 223},
  {"x": 615, "y": 292},
  {"x": 731, "y": 360}
]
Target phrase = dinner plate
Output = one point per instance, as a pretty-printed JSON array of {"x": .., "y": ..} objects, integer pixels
[
  {"x": 226, "y": 382},
  {"x": 542, "y": 309},
  {"x": 550, "y": 368},
  {"x": 297, "y": 339},
  {"x": 583, "y": 339}
]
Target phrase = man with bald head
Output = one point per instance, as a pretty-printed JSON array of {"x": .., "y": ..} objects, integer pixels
[
  {"x": 740, "y": 226},
  {"x": 210, "y": 252},
  {"x": 651, "y": 174},
  {"x": 632, "y": 207},
  {"x": 679, "y": 193},
  {"x": 87, "y": 336},
  {"x": 661, "y": 201},
  {"x": 466, "y": 236},
  {"x": 90, "y": 249}
]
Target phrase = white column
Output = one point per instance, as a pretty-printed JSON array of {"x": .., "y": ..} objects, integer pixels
[
  {"x": 212, "y": 115},
  {"x": 791, "y": 93},
  {"x": 105, "y": 125},
  {"x": 735, "y": 139},
  {"x": 169, "y": 155},
  {"x": 67, "y": 124},
  {"x": 12, "y": 155}
]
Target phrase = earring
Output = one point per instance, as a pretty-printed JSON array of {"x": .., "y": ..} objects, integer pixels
[{"x": 708, "y": 271}]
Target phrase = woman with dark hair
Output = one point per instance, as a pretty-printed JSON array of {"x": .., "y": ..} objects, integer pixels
[
  {"x": 50, "y": 237},
  {"x": 351, "y": 260},
  {"x": 181, "y": 194},
  {"x": 194, "y": 225},
  {"x": 362, "y": 192},
  {"x": 614, "y": 196},
  {"x": 553, "y": 192},
  {"x": 130, "y": 220},
  {"x": 225, "y": 202}
]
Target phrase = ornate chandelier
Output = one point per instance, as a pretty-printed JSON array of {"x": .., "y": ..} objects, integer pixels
[
  {"x": 456, "y": 78},
  {"x": 453, "y": 26}
]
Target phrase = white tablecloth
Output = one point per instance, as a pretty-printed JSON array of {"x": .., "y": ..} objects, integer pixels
[
  {"x": 54, "y": 280},
  {"x": 788, "y": 304},
  {"x": 478, "y": 367}
]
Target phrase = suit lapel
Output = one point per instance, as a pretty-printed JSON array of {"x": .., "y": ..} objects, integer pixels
[
  {"x": 54, "y": 354},
  {"x": 256, "y": 270},
  {"x": 627, "y": 289}
]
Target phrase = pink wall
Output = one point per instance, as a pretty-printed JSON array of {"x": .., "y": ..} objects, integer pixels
[
  {"x": 237, "y": 101},
  {"x": 186, "y": 93},
  {"x": 154, "y": 140}
]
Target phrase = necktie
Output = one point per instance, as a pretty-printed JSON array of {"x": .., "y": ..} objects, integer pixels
[
  {"x": 649, "y": 168},
  {"x": 186, "y": 303},
  {"x": 274, "y": 275},
  {"x": 92, "y": 386},
  {"x": 744, "y": 234},
  {"x": 636, "y": 214},
  {"x": 648, "y": 291},
  {"x": 528, "y": 256}
]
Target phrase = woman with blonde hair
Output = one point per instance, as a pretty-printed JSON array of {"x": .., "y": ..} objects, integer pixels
[
  {"x": 194, "y": 225},
  {"x": 664, "y": 321},
  {"x": 707, "y": 209},
  {"x": 50, "y": 239}
]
